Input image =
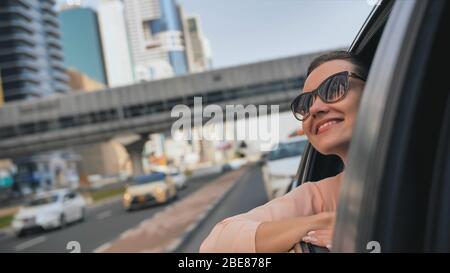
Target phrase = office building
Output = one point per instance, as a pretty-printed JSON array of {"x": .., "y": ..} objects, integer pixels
[
  {"x": 82, "y": 42},
  {"x": 116, "y": 51},
  {"x": 31, "y": 57},
  {"x": 156, "y": 39}
]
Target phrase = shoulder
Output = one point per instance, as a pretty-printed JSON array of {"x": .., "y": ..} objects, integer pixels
[
  {"x": 324, "y": 185},
  {"x": 329, "y": 184},
  {"x": 321, "y": 195}
]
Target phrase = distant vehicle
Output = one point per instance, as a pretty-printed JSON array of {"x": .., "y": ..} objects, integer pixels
[
  {"x": 281, "y": 164},
  {"x": 178, "y": 178},
  {"x": 50, "y": 210},
  {"x": 149, "y": 189},
  {"x": 234, "y": 164}
]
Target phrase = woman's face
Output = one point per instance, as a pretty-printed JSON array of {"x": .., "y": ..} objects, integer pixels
[{"x": 329, "y": 127}]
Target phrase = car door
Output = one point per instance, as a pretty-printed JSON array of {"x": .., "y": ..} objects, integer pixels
[
  {"x": 79, "y": 205},
  {"x": 70, "y": 207},
  {"x": 392, "y": 194},
  {"x": 437, "y": 236}
]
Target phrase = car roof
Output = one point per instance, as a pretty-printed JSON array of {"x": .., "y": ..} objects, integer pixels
[{"x": 52, "y": 192}]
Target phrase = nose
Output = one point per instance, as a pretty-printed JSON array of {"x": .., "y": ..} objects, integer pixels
[{"x": 318, "y": 107}]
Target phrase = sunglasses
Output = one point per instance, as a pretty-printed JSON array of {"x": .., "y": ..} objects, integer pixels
[{"x": 331, "y": 90}]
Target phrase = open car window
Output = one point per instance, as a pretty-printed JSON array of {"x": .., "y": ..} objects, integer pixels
[{"x": 315, "y": 166}]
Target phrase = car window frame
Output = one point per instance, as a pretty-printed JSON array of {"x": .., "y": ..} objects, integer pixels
[
  {"x": 438, "y": 228},
  {"x": 69, "y": 196}
]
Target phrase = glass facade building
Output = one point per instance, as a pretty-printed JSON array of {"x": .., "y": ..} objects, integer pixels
[
  {"x": 171, "y": 21},
  {"x": 116, "y": 48},
  {"x": 156, "y": 38},
  {"x": 31, "y": 57},
  {"x": 82, "y": 43},
  {"x": 178, "y": 62}
]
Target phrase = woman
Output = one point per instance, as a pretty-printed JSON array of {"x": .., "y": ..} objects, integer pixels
[{"x": 327, "y": 108}]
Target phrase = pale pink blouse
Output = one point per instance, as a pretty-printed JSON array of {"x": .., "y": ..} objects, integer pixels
[{"x": 237, "y": 233}]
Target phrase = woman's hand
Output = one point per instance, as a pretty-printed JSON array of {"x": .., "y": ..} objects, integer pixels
[
  {"x": 282, "y": 235},
  {"x": 322, "y": 235}
]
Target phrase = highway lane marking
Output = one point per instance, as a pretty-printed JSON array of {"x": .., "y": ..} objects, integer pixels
[
  {"x": 130, "y": 231},
  {"x": 30, "y": 243},
  {"x": 104, "y": 214}
]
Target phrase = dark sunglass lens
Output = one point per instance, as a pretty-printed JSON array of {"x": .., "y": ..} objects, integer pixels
[
  {"x": 304, "y": 103},
  {"x": 334, "y": 89},
  {"x": 301, "y": 105}
]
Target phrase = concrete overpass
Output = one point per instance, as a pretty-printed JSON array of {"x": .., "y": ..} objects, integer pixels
[{"x": 80, "y": 118}]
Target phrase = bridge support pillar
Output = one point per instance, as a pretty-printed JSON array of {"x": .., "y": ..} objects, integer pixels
[{"x": 135, "y": 150}]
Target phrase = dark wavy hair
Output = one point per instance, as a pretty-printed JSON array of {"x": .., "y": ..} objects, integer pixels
[{"x": 361, "y": 67}]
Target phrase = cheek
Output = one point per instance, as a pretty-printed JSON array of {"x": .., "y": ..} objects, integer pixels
[
  {"x": 353, "y": 103},
  {"x": 349, "y": 107},
  {"x": 306, "y": 125}
]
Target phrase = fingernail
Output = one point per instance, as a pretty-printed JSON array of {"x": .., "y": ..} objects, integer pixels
[
  {"x": 311, "y": 232},
  {"x": 329, "y": 246},
  {"x": 313, "y": 239},
  {"x": 306, "y": 239}
]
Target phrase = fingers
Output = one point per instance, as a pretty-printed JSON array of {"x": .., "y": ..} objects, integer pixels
[
  {"x": 325, "y": 220},
  {"x": 322, "y": 238}
]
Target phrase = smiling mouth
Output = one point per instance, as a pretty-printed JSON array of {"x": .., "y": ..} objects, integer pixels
[{"x": 327, "y": 125}]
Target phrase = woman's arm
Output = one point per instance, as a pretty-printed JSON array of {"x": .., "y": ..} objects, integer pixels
[
  {"x": 282, "y": 235},
  {"x": 238, "y": 233}
]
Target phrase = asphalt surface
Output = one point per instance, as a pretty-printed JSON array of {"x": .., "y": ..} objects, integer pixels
[
  {"x": 102, "y": 225},
  {"x": 246, "y": 194}
]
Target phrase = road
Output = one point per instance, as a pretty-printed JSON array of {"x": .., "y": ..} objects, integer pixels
[
  {"x": 247, "y": 194},
  {"x": 102, "y": 225}
]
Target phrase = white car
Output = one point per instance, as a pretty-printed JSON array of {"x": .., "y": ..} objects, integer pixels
[
  {"x": 50, "y": 210},
  {"x": 281, "y": 165},
  {"x": 234, "y": 164},
  {"x": 178, "y": 178}
]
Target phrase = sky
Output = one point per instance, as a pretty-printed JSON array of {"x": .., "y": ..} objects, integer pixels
[{"x": 246, "y": 31}]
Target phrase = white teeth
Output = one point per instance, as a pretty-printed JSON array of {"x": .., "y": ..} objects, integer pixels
[{"x": 326, "y": 124}]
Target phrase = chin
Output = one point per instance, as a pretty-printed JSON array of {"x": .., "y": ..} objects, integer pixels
[
  {"x": 327, "y": 150},
  {"x": 329, "y": 145}
]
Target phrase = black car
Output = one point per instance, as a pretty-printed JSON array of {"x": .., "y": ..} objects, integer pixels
[{"x": 396, "y": 193}]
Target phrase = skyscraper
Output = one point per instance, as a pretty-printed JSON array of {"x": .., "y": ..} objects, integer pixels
[
  {"x": 82, "y": 43},
  {"x": 114, "y": 36},
  {"x": 31, "y": 58},
  {"x": 156, "y": 38},
  {"x": 197, "y": 46}
]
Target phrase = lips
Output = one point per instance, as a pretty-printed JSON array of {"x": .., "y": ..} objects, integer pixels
[{"x": 326, "y": 124}]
